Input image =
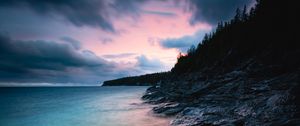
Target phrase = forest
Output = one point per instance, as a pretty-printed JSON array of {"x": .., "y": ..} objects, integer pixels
[{"x": 262, "y": 34}]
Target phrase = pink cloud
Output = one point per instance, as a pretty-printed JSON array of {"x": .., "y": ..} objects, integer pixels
[{"x": 155, "y": 26}]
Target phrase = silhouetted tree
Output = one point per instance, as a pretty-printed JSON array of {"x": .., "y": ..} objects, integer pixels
[
  {"x": 262, "y": 35},
  {"x": 246, "y": 35},
  {"x": 191, "y": 50},
  {"x": 244, "y": 14},
  {"x": 179, "y": 55},
  {"x": 205, "y": 39},
  {"x": 219, "y": 26},
  {"x": 252, "y": 12},
  {"x": 237, "y": 16}
]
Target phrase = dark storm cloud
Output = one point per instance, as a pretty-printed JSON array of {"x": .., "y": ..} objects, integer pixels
[
  {"x": 122, "y": 55},
  {"x": 75, "y": 43},
  {"x": 48, "y": 61},
  {"x": 160, "y": 13},
  {"x": 213, "y": 11},
  {"x": 183, "y": 43},
  {"x": 131, "y": 6},
  {"x": 209, "y": 11},
  {"x": 145, "y": 63},
  {"x": 95, "y": 13}
]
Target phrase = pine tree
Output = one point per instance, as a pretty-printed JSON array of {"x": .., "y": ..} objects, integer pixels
[
  {"x": 237, "y": 16},
  {"x": 205, "y": 39},
  {"x": 252, "y": 12},
  {"x": 191, "y": 50},
  {"x": 220, "y": 26},
  {"x": 244, "y": 14}
]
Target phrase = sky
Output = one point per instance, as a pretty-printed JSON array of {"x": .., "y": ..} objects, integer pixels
[{"x": 85, "y": 42}]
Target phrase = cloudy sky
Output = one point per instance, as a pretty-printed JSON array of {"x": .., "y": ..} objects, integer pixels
[{"x": 90, "y": 41}]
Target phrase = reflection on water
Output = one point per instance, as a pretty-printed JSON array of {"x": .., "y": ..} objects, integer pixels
[{"x": 76, "y": 106}]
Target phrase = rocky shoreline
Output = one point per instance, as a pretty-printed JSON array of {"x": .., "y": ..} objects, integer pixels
[
  {"x": 244, "y": 73},
  {"x": 235, "y": 98}
]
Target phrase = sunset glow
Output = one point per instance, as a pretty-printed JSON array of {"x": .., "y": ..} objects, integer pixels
[{"x": 112, "y": 38}]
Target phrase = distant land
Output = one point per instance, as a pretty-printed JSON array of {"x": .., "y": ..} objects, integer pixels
[{"x": 143, "y": 80}]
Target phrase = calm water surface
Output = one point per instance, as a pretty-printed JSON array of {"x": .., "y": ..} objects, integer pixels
[{"x": 76, "y": 106}]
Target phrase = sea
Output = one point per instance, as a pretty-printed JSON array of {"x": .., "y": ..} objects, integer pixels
[{"x": 76, "y": 106}]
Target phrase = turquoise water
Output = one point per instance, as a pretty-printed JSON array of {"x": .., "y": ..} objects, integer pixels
[{"x": 76, "y": 106}]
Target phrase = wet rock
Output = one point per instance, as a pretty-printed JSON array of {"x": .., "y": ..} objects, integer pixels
[
  {"x": 232, "y": 99},
  {"x": 188, "y": 117},
  {"x": 153, "y": 95},
  {"x": 168, "y": 108}
]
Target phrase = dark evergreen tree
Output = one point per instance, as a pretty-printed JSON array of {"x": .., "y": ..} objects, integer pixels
[
  {"x": 244, "y": 14},
  {"x": 262, "y": 35},
  {"x": 237, "y": 16},
  {"x": 259, "y": 34},
  {"x": 191, "y": 50}
]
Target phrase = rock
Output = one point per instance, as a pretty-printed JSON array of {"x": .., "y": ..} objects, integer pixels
[
  {"x": 277, "y": 99},
  {"x": 232, "y": 99},
  {"x": 168, "y": 108},
  {"x": 153, "y": 95}
]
